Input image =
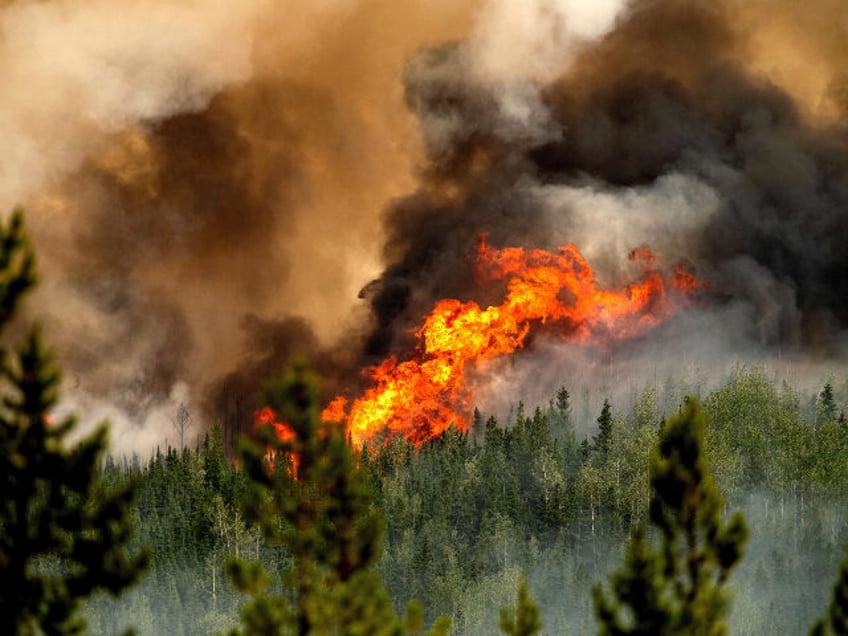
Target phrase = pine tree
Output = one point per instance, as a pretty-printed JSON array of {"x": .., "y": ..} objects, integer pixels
[
  {"x": 62, "y": 535},
  {"x": 835, "y": 622},
  {"x": 525, "y": 621},
  {"x": 826, "y": 406},
  {"x": 585, "y": 451},
  {"x": 678, "y": 586},
  {"x": 603, "y": 439},
  {"x": 562, "y": 427},
  {"x": 318, "y": 507},
  {"x": 563, "y": 402}
]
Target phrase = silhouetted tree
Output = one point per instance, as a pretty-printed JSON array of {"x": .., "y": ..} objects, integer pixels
[
  {"x": 319, "y": 508},
  {"x": 62, "y": 535},
  {"x": 525, "y": 621},
  {"x": 181, "y": 423},
  {"x": 603, "y": 439},
  {"x": 826, "y": 406},
  {"x": 563, "y": 402},
  {"x": 678, "y": 586},
  {"x": 835, "y": 622}
]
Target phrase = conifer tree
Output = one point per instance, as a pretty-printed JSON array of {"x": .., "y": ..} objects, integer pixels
[
  {"x": 585, "y": 450},
  {"x": 563, "y": 402},
  {"x": 62, "y": 535},
  {"x": 603, "y": 439},
  {"x": 835, "y": 622},
  {"x": 677, "y": 587},
  {"x": 525, "y": 621},
  {"x": 826, "y": 406},
  {"x": 562, "y": 427},
  {"x": 318, "y": 507}
]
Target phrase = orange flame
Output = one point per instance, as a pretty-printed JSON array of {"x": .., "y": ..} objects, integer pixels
[
  {"x": 267, "y": 417},
  {"x": 422, "y": 397},
  {"x": 335, "y": 410}
]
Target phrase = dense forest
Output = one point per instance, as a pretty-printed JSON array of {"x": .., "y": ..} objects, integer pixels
[
  {"x": 314, "y": 236},
  {"x": 621, "y": 524},
  {"x": 467, "y": 515}
]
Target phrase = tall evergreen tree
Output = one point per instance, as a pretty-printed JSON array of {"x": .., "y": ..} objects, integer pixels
[
  {"x": 62, "y": 535},
  {"x": 562, "y": 427},
  {"x": 603, "y": 438},
  {"x": 826, "y": 405},
  {"x": 319, "y": 509},
  {"x": 563, "y": 402},
  {"x": 835, "y": 622},
  {"x": 678, "y": 586},
  {"x": 525, "y": 621}
]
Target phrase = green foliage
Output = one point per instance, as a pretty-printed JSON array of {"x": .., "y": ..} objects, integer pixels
[
  {"x": 64, "y": 535},
  {"x": 525, "y": 621},
  {"x": 826, "y": 405},
  {"x": 319, "y": 509},
  {"x": 465, "y": 515},
  {"x": 603, "y": 439},
  {"x": 678, "y": 587},
  {"x": 187, "y": 509},
  {"x": 835, "y": 622}
]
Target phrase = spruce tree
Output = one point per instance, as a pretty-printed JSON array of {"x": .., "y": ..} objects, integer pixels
[
  {"x": 525, "y": 621},
  {"x": 826, "y": 406},
  {"x": 585, "y": 451},
  {"x": 603, "y": 439},
  {"x": 563, "y": 402},
  {"x": 315, "y": 504},
  {"x": 62, "y": 534},
  {"x": 835, "y": 622},
  {"x": 562, "y": 427},
  {"x": 677, "y": 587}
]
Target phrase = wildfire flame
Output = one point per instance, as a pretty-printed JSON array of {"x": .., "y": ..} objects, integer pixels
[
  {"x": 267, "y": 417},
  {"x": 421, "y": 397}
]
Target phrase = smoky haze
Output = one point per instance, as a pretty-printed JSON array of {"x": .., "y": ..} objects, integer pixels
[
  {"x": 203, "y": 183},
  {"x": 673, "y": 129},
  {"x": 219, "y": 187}
]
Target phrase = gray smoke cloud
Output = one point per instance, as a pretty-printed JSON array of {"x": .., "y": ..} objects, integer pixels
[
  {"x": 670, "y": 129},
  {"x": 211, "y": 186}
]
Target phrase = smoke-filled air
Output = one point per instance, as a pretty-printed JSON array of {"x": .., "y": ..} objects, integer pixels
[
  {"x": 451, "y": 211},
  {"x": 218, "y": 188}
]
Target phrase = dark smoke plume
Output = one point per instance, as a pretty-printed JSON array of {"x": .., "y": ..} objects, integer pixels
[
  {"x": 210, "y": 186},
  {"x": 665, "y": 98}
]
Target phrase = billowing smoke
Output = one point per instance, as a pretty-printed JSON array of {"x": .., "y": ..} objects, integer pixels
[
  {"x": 197, "y": 177},
  {"x": 666, "y": 131},
  {"x": 212, "y": 185}
]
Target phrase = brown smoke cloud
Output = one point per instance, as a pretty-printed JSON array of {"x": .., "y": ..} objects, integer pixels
[
  {"x": 210, "y": 184},
  {"x": 195, "y": 174},
  {"x": 802, "y": 48}
]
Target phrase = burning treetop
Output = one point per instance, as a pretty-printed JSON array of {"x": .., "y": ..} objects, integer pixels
[{"x": 421, "y": 397}]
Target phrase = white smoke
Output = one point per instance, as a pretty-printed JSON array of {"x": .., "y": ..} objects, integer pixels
[
  {"x": 537, "y": 39},
  {"x": 664, "y": 215},
  {"x": 75, "y": 70},
  {"x": 518, "y": 45},
  {"x": 142, "y": 435}
]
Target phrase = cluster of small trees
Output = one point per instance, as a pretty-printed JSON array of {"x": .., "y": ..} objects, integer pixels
[{"x": 312, "y": 513}]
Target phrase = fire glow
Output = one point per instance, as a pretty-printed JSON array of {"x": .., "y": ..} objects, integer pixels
[
  {"x": 267, "y": 417},
  {"x": 421, "y": 397}
]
